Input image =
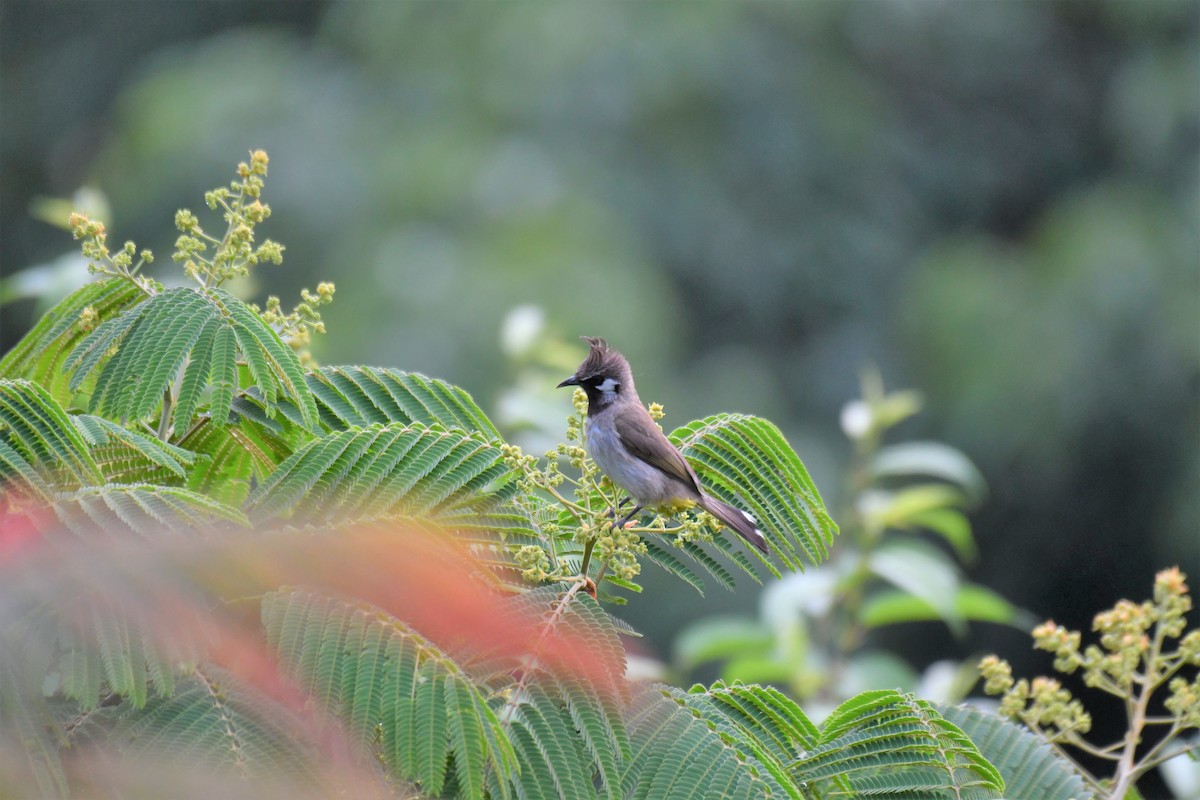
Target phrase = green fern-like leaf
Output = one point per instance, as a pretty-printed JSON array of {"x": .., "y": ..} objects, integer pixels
[
  {"x": 548, "y": 748},
  {"x": 136, "y": 448},
  {"x": 779, "y": 728},
  {"x": 215, "y": 721},
  {"x": 360, "y": 396},
  {"x": 142, "y": 508},
  {"x": 39, "y": 430},
  {"x": 1029, "y": 767},
  {"x": 204, "y": 333},
  {"x": 18, "y": 476},
  {"x": 393, "y": 688},
  {"x": 685, "y": 747},
  {"x": 41, "y": 353},
  {"x": 232, "y": 457},
  {"x": 746, "y": 461},
  {"x": 395, "y": 470},
  {"x": 891, "y": 744},
  {"x": 567, "y": 728},
  {"x": 27, "y": 731}
]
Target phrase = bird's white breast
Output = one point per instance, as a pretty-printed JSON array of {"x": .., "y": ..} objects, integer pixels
[{"x": 646, "y": 484}]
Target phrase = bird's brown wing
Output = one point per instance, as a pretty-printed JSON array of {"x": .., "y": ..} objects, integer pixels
[{"x": 644, "y": 440}]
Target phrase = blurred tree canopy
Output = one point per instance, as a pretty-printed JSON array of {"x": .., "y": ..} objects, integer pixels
[{"x": 995, "y": 202}]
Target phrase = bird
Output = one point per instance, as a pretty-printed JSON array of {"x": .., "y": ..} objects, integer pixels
[{"x": 623, "y": 440}]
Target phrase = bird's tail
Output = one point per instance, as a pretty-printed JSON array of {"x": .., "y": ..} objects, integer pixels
[{"x": 741, "y": 522}]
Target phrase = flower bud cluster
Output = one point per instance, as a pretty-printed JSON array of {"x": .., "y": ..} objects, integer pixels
[
  {"x": 1132, "y": 658},
  {"x": 88, "y": 319},
  {"x": 211, "y": 261},
  {"x": 619, "y": 547},
  {"x": 124, "y": 263},
  {"x": 694, "y": 526},
  {"x": 533, "y": 563},
  {"x": 297, "y": 327}
]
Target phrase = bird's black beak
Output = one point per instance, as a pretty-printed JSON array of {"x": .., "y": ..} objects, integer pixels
[{"x": 571, "y": 381}]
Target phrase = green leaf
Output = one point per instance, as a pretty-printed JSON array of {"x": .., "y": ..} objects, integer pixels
[
  {"x": 867, "y": 669},
  {"x": 231, "y": 457},
  {"x": 933, "y": 459},
  {"x": 138, "y": 355},
  {"x": 714, "y": 638},
  {"x": 359, "y": 396},
  {"x": 276, "y": 369},
  {"x": 886, "y": 742},
  {"x": 663, "y": 556},
  {"x": 145, "y": 509},
  {"x": 448, "y": 476},
  {"x": 392, "y": 687},
  {"x": 752, "y": 668},
  {"x": 888, "y": 509},
  {"x": 922, "y": 571},
  {"x": 217, "y": 722},
  {"x": 100, "y": 432},
  {"x": 41, "y": 353},
  {"x": 16, "y": 472},
  {"x": 1030, "y": 768},
  {"x": 198, "y": 374},
  {"x": 42, "y": 433},
  {"x": 953, "y": 526},
  {"x": 687, "y": 745},
  {"x": 33, "y": 765},
  {"x": 971, "y": 602},
  {"x": 746, "y": 461}
]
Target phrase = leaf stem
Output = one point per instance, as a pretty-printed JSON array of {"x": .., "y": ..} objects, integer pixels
[
  {"x": 587, "y": 557},
  {"x": 505, "y": 715},
  {"x": 1128, "y": 769},
  {"x": 164, "y": 423}
]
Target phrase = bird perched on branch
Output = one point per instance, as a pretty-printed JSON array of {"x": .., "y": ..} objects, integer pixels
[{"x": 623, "y": 440}]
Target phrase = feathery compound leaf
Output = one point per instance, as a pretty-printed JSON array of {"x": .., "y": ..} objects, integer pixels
[
  {"x": 199, "y": 372},
  {"x": 1030, "y": 768},
  {"x": 231, "y": 457},
  {"x": 17, "y": 473},
  {"x": 202, "y": 332},
  {"x": 391, "y": 686},
  {"x": 145, "y": 509},
  {"x": 26, "y": 729},
  {"x": 780, "y": 728},
  {"x": 888, "y": 742},
  {"x": 276, "y": 369},
  {"x": 565, "y": 718},
  {"x": 100, "y": 432},
  {"x": 661, "y": 554},
  {"x": 391, "y": 471},
  {"x": 215, "y": 720},
  {"x": 40, "y": 355},
  {"x": 358, "y": 396},
  {"x": 685, "y": 747},
  {"x": 38, "y": 428},
  {"x": 746, "y": 461}
]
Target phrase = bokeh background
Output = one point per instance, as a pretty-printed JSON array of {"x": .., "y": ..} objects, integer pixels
[{"x": 996, "y": 203}]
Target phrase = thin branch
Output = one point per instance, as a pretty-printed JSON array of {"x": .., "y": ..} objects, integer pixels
[
  {"x": 164, "y": 423},
  {"x": 516, "y": 692},
  {"x": 1149, "y": 763}
]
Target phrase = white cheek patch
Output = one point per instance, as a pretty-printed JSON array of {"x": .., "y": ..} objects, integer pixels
[{"x": 608, "y": 386}]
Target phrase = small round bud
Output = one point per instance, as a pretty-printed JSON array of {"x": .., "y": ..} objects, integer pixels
[{"x": 258, "y": 162}]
